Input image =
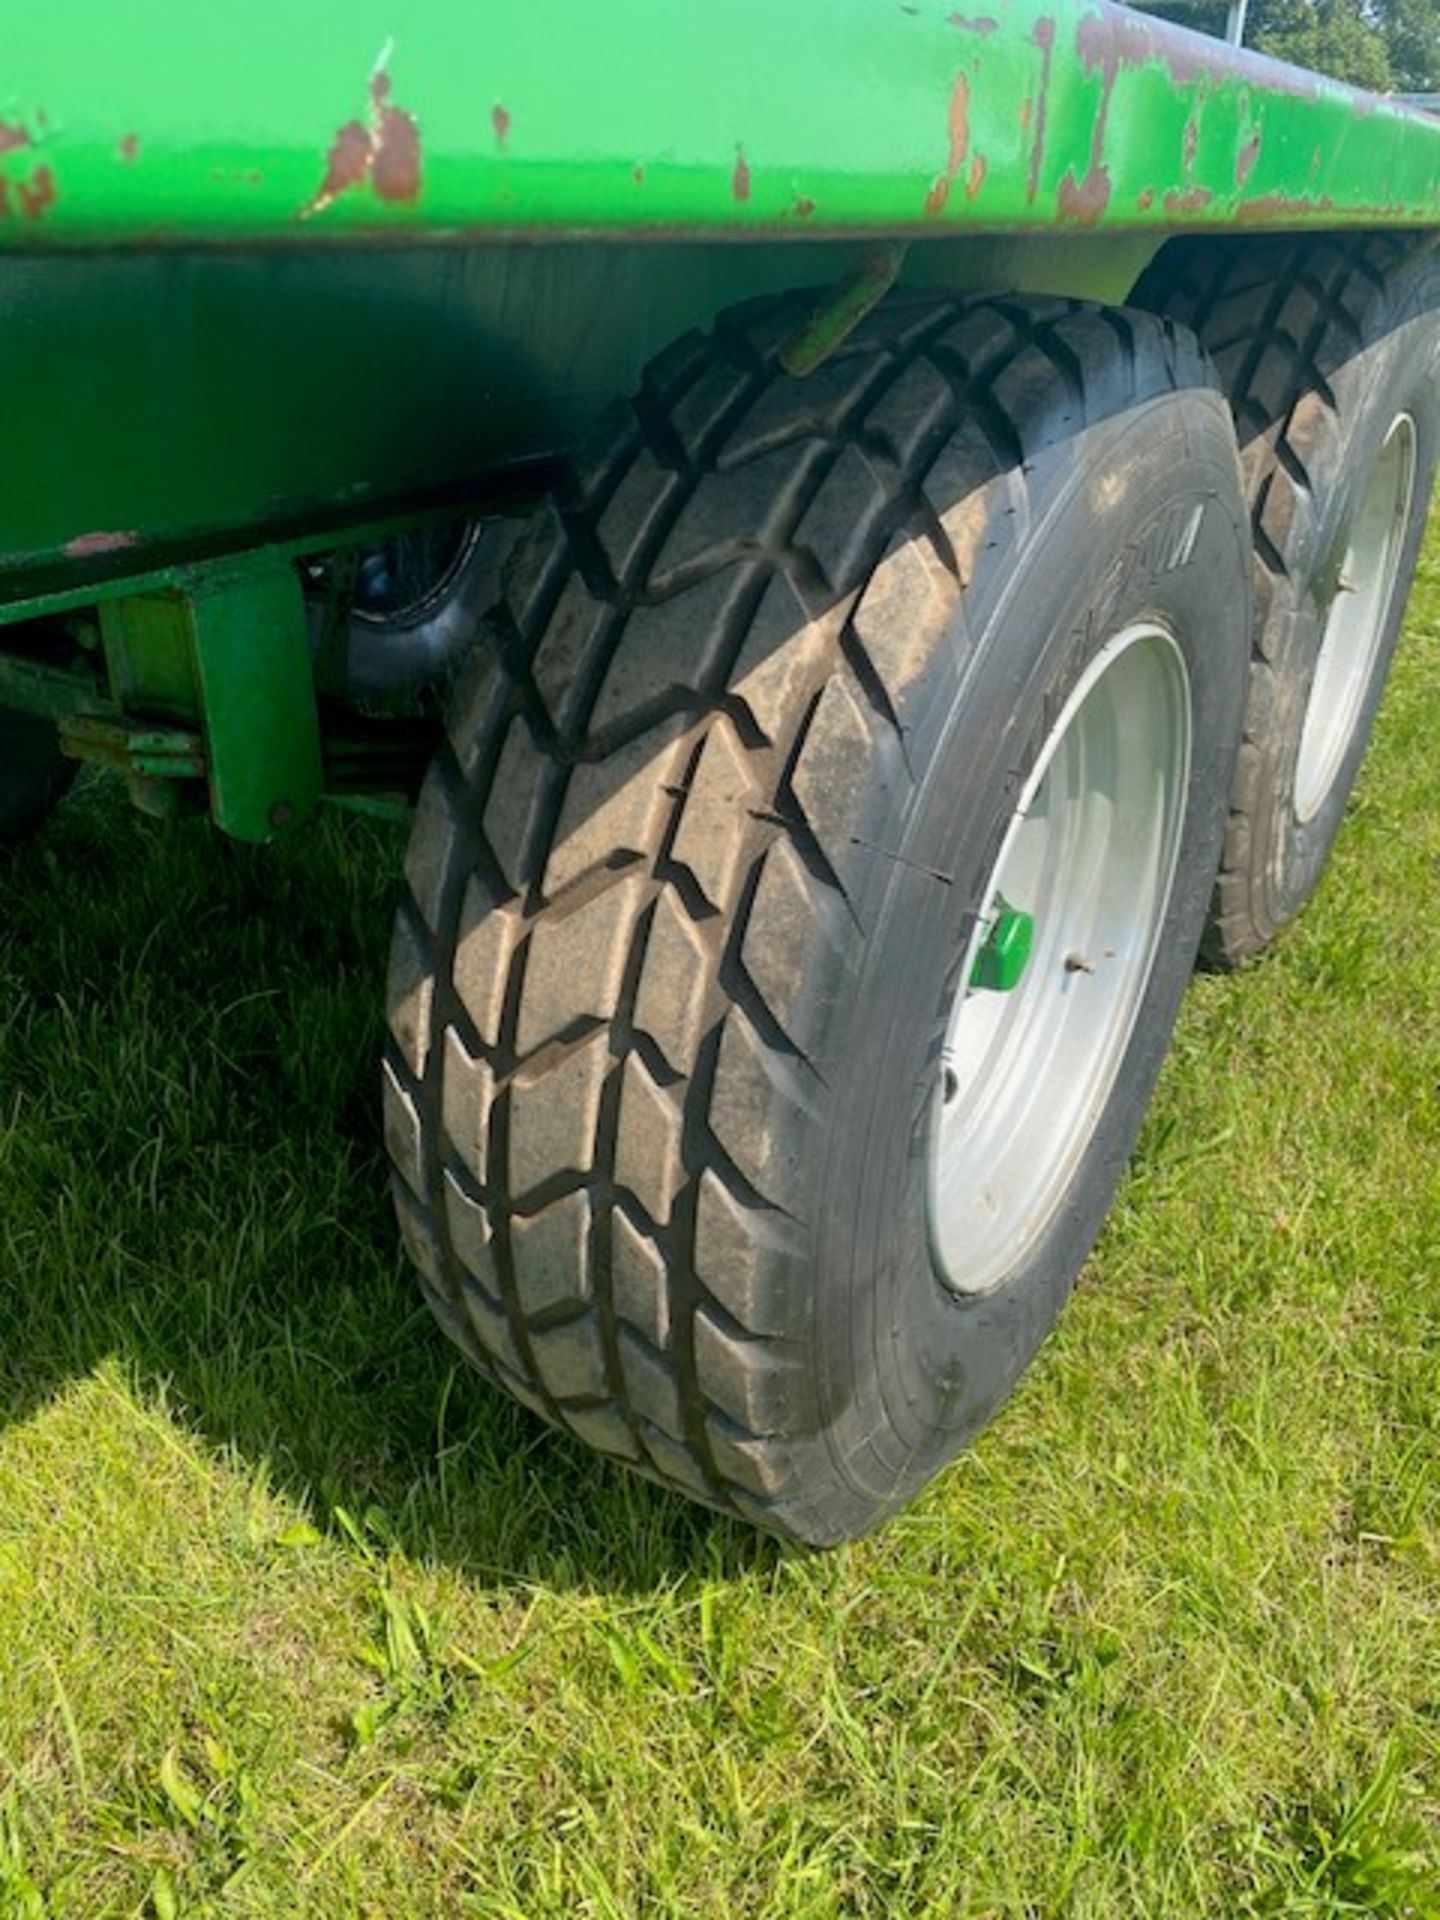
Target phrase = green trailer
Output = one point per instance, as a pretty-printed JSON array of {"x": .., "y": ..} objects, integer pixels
[{"x": 861, "y": 535}]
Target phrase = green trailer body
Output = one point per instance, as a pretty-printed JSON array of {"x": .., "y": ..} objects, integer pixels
[
  {"x": 282, "y": 278},
  {"x": 273, "y": 268},
  {"x": 299, "y": 297}
]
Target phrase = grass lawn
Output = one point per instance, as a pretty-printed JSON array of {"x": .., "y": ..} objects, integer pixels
[{"x": 296, "y": 1618}]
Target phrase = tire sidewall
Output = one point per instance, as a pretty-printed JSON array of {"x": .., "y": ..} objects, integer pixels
[
  {"x": 1396, "y": 370},
  {"x": 909, "y": 1367}
]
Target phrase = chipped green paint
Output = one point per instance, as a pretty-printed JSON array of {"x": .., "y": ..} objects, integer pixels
[
  {"x": 201, "y": 386},
  {"x": 156, "y": 123},
  {"x": 191, "y": 360}
]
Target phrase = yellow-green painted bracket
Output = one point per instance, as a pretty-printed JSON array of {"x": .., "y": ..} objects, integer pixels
[
  {"x": 838, "y": 315},
  {"x": 230, "y": 652}
]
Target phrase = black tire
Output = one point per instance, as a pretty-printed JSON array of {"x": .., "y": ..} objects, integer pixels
[
  {"x": 1320, "y": 343},
  {"x": 708, "y": 830},
  {"x": 34, "y": 774}
]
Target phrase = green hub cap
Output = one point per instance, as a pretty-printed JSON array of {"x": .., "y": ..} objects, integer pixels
[{"x": 1001, "y": 961}]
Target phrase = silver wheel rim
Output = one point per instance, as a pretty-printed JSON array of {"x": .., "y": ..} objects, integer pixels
[
  {"x": 1089, "y": 855},
  {"x": 1356, "y": 623}
]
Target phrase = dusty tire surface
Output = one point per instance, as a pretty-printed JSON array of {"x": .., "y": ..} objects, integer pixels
[
  {"x": 692, "y": 876},
  {"x": 1321, "y": 343}
]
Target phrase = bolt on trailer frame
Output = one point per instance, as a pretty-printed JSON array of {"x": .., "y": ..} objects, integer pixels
[{"x": 288, "y": 282}]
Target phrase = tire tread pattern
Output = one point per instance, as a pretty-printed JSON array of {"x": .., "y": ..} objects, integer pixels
[
  {"x": 642, "y": 826},
  {"x": 1278, "y": 316}
]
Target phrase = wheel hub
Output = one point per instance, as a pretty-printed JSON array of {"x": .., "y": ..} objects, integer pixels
[
  {"x": 1058, "y": 958},
  {"x": 1355, "y": 627}
]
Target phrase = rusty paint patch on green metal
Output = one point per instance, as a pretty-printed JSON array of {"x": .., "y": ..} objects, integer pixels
[
  {"x": 163, "y": 123},
  {"x": 382, "y": 152}
]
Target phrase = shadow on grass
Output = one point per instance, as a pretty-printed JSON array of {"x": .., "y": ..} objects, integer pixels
[{"x": 193, "y": 1182}]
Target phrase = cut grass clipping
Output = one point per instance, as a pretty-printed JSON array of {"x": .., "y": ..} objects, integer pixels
[{"x": 296, "y": 1618}]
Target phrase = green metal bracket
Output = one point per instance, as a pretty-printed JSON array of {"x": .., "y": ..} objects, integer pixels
[
  {"x": 147, "y": 753},
  {"x": 197, "y": 684},
  {"x": 838, "y": 315},
  {"x": 163, "y": 767},
  {"x": 229, "y": 652},
  {"x": 257, "y": 693},
  {"x": 51, "y": 691},
  {"x": 1002, "y": 959},
  {"x": 148, "y": 654}
]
